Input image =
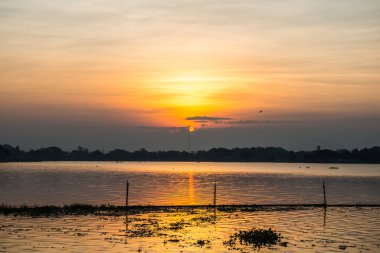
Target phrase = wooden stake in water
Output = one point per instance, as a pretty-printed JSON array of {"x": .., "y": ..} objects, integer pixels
[
  {"x": 126, "y": 194},
  {"x": 215, "y": 195},
  {"x": 324, "y": 193}
]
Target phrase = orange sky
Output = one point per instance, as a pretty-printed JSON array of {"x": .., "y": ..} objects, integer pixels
[{"x": 156, "y": 63}]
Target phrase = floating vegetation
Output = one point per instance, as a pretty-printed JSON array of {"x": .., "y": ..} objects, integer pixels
[
  {"x": 111, "y": 210},
  {"x": 86, "y": 209},
  {"x": 140, "y": 233},
  {"x": 177, "y": 225},
  {"x": 143, "y": 228},
  {"x": 255, "y": 237},
  {"x": 266, "y": 208},
  {"x": 202, "y": 243},
  {"x": 342, "y": 247},
  {"x": 204, "y": 219},
  {"x": 56, "y": 211}
]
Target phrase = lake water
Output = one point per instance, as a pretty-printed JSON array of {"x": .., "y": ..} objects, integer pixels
[
  {"x": 315, "y": 230},
  {"x": 185, "y": 183}
]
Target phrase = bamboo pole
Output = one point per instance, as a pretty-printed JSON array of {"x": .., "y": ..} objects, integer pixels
[
  {"x": 126, "y": 194},
  {"x": 215, "y": 195},
  {"x": 126, "y": 207},
  {"x": 324, "y": 194}
]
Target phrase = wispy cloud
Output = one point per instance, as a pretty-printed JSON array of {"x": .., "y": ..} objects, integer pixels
[
  {"x": 253, "y": 122},
  {"x": 235, "y": 122},
  {"x": 207, "y": 118}
]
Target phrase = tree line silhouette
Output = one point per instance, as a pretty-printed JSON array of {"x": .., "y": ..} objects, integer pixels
[{"x": 9, "y": 153}]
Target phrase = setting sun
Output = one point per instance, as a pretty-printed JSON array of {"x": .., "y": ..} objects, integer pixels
[{"x": 189, "y": 91}]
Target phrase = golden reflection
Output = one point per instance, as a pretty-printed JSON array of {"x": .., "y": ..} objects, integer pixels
[{"x": 191, "y": 187}]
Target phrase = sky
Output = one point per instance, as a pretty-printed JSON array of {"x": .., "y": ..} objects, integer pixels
[{"x": 134, "y": 74}]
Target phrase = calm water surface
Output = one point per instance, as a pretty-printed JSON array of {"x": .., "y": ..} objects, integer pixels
[
  {"x": 309, "y": 230},
  {"x": 182, "y": 183}
]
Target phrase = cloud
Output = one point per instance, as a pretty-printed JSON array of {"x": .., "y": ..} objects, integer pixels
[
  {"x": 171, "y": 129},
  {"x": 230, "y": 121},
  {"x": 207, "y": 118},
  {"x": 253, "y": 121}
]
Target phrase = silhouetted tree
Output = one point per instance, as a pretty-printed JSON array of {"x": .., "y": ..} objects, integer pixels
[
  {"x": 4, "y": 153},
  {"x": 254, "y": 154}
]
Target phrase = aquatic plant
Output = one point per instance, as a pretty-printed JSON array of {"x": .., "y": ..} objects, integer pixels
[
  {"x": 177, "y": 225},
  {"x": 255, "y": 237},
  {"x": 202, "y": 243},
  {"x": 111, "y": 210},
  {"x": 173, "y": 240},
  {"x": 204, "y": 219}
]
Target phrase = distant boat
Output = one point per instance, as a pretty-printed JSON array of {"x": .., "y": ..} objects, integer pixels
[{"x": 333, "y": 168}]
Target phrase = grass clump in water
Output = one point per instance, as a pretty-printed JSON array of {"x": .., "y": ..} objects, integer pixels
[
  {"x": 201, "y": 243},
  {"x": 177, "y": 225},
  {"x": 207, "y": 219},
  {"x": 256, "y": 237}
]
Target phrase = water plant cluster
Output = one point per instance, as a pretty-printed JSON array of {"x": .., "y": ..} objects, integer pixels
[{"x": 255, "y": 237}]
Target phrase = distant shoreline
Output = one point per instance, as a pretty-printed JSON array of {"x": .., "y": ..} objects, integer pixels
[{"x": 371, "y": 155}]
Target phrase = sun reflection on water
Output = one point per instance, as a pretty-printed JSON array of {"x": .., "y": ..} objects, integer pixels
[{"x": 191, "y": 188}]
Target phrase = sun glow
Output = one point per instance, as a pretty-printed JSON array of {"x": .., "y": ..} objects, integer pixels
[
  {"x": 174, "y": 96},
  {"x": 184, "y": 95},
  {"x": 190, "y": 90}
]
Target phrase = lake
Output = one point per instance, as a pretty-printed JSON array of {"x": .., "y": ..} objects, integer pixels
[
  {"x": 307, "y": 230},
  {"x": 187, "y": 183},
  {"x": 188, "y": 229}
]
